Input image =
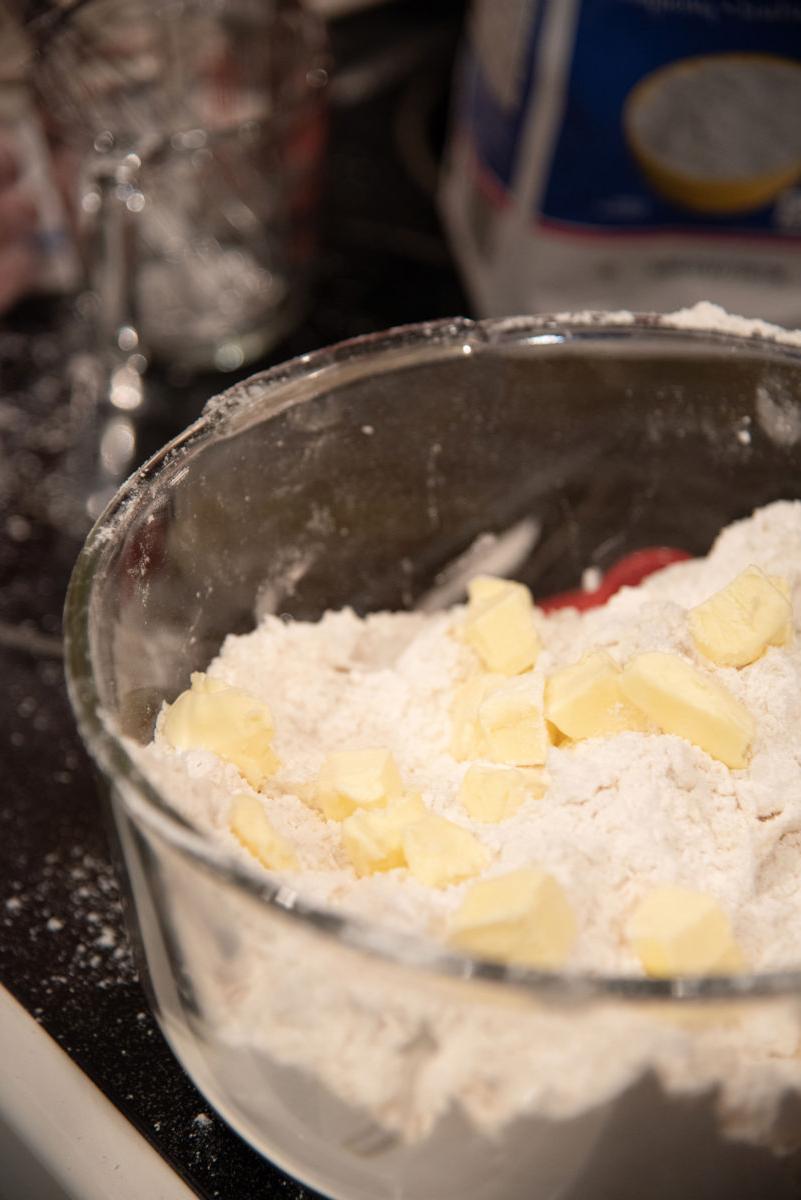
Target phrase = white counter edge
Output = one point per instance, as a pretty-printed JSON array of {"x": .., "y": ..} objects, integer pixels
[{"x": 69, "y": 1127}]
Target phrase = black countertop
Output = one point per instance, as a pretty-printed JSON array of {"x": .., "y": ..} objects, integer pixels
[{"x": 383, "y": 261}]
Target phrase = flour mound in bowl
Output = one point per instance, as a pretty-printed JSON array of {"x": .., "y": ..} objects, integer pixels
[{"x": 620, "y": 814}]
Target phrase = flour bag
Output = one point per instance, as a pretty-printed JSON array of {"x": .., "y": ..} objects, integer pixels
[{"x": 639, "y": 154}]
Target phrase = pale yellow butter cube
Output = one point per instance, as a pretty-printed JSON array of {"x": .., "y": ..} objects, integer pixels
[
  {"x": 511, "y": 721},
  {"x": 230, "y": 723},
  {"x": 555, "y": 736},
  {"x": 248, "y": 822},
  {"x": 676, "y": 931},
  {"x": 351, "y": 779},
  {"x": 439, "y": 852},
  {"x": 736, "y": 625},
  {"x": 522, "y": 917},
  {"x": 492, "y": 794},
  {"x": 537, "y": 781},
  {"x": 482, "y": 588},
  {"x": 681, "y": 700},
  {"x": 501, "y": 631},
  {"x": 373, "y": 838},
  {"x": 467, "y": 740},
  {"x": 207, "y": 684},
  {"x": 585, "y": 700},
  {"x": 781, "y": 583}
]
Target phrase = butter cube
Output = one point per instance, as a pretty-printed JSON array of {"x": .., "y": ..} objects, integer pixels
[
  {"x": 440, "y": 852},
  {"x": 373, "y": 838},
  {"x": 675, "y": 931},
  {"x": 536, "y": 781},
  {"x": 248, "y": 822},
  {"x": 585, "y": 700},
  {"x": 500, "y": 628},
  {"x": 467, "y": 740},
  {"x": 555, "y": 736},
  {"x": 207, "y": 683},
  {"x": 521, "y": 917},
  {"x": 482, "y": 588},
  {"x": 681, "y": 700},
  {"x": 783, "y": 586},
  {"x": 781, "y": 583},
  {"x": 492, "y": 794},
  {"x": 229, "y": 722},
  {"x": 351, "y": 779},
  {"x": 512, "y": 724},
  {"x": 736, "y": 625}
]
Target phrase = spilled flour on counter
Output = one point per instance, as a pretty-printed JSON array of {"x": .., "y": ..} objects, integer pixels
[{"x": 621, "y": 815}]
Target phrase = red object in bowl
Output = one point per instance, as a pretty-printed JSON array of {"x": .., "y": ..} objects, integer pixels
[{"x": 628, "y": 572}]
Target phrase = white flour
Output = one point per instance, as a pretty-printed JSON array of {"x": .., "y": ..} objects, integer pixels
[{"x": 621, "y": 814}]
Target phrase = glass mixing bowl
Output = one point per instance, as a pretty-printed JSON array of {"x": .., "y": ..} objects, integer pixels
[{"x": 367, "y": 1063}]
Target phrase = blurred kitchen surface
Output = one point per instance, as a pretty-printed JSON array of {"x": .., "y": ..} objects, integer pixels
[{"x": 381, "y": 259}]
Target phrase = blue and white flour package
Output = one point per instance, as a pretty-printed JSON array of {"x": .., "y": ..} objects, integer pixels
[{"x": 643, "y": 154}]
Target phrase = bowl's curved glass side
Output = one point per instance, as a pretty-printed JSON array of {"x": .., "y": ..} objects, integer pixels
[{"x": 368, "y": 1080}]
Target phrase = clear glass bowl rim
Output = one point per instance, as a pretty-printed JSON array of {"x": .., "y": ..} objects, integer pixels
[{"x": 263, "y": 395}]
